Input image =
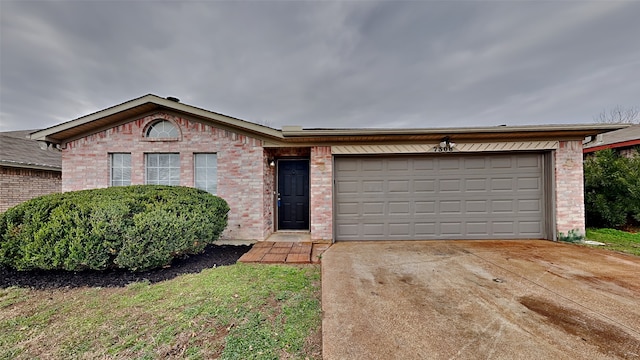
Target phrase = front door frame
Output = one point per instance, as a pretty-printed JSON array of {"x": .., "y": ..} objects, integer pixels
[{"x": 307, "y": 162}]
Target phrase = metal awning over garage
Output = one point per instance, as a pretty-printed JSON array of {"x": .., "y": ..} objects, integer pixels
[{"x": 450, "y": 196}]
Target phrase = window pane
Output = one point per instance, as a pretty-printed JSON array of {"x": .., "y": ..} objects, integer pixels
[
  {"x": 120, "y": 169},
  {"x": 152, "y": 176},
  {"x": 126, "y": 160},
  {"x": 174, "y": 160},
  {"x": 117, "y": 174},
  {"x": 116, "y": 160},
  {"x": 201, "y": 161},
  {"x": 165, "y": 161},
  {"x": 206, "y": 172},
  {"x": 163, "y": 169},
  {"x": 152, "y": 160},
  {"x": 212, "y": 172},
  {"x": 162, "y": 129}
]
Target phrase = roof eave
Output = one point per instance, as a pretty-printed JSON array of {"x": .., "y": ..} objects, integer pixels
[
  {"x": 462, "y": 130},
  {"x": 566, "y": 131},
  {"x": 47, "y": 135},
  {"x": 15, "y": 164},
  {"x": 617, "y": 145}
]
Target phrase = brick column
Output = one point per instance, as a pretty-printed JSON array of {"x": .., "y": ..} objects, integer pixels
[
  {"x": 569, "y": 188},
  {"x": 321, "y": 182}
]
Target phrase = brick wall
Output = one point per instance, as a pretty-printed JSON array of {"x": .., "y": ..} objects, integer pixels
[
  {"x": 321, "y": 183},
  {"x": 18, "y": 185},
  {"x": 268, "y": 206},
  {"x": 569, "y": 187},
  {"x": 241, "y": 165}
]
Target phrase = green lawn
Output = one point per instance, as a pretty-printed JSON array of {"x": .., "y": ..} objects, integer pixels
[
  {"x": 616, "y": 240},
  {"x": 231, "y": 312}
]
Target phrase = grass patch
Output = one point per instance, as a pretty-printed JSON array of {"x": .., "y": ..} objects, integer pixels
[
  {"x": 231, "y": 312},
  {"x": 616, "y": 240}
]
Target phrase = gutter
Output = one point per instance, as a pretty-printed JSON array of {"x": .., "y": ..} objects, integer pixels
[
  {"x": 34, "y": 166},
  {"x": 622, "y": 144}
]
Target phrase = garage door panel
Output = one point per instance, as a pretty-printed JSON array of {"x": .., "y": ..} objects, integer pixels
[
  {"x": 477, "y": 228},
  {"x": 529, "y": 161},
  {"x": 424, "y": 186},
  {"x": 425, "y": 207},
  {"x": 449, "y": 185},
  {"x": 373, "y": 208},
  {"x": 372, "y": 165},
  {"x": 529, "y": 184},
  {"x": 502, "y": 184},
  {"x": 398, "y": 186},
  {"x": 507, "y": 228},
  {"x": 347, "y": 187},
  {"x": 449, "y": 207},
  {"x": 439, "y": 197},
  {"x": 530, "y": 206},
  {"x": 448, "y": 164},
  {"x": 477, "y": 206},
  {"x": 475, "y": 185},
  {"x": 500, "y": 163},
  {"x": 423, "y": 164},
  {"x": 477, "y": 163},
  {"x": 451, "y": 228}
]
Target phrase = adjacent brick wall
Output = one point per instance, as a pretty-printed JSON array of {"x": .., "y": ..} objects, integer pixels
[
  {"x": 569, "y": 187},
  {"x": 321, "y": 182},
  {"x": 19, "y": 184},
  {"x": 241, "y": 165}
]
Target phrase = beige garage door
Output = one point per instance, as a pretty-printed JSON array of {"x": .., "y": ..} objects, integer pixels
[{"x": 439, "y": 197}]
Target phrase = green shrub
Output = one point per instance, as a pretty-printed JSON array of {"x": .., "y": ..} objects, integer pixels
[
  {"x": 133, "y": 227},
  {"x": 612, "y": 189},
  {"x": 572, "y": 236}
]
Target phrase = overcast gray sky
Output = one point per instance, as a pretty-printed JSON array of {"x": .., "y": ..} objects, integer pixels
[{"x": 323, "y": 64}]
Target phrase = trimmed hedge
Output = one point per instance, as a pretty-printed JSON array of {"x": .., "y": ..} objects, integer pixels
[{"x": 136, "y": 227}]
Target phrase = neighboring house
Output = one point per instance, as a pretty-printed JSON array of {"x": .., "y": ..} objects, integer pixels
[
  {"x": 501, "y": 182},
  {"x": 26, "y": 169},
  {"x": 624, "y": 141}
]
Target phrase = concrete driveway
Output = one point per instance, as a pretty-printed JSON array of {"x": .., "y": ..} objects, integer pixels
[{"x": 479, "y": 300}]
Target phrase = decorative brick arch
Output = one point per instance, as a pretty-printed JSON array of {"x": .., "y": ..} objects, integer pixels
[{"x": 153, "y": 120}]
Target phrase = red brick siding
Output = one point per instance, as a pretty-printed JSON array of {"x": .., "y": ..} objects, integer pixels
[
  {"x": 569, "y": 187},
  {"x": 321, "y": 182},
  {"x": 240, "y": 165},
  {"x": 18, "y": 185},
  {"x": 268, "y": 207}
]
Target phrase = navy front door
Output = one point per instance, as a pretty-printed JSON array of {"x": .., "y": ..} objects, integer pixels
[{"x": 293, "y": 195}]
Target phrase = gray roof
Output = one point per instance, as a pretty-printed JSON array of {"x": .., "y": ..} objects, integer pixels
[
  {"x": 626, "y": 137},
  {"x": 18, "y": 150}
]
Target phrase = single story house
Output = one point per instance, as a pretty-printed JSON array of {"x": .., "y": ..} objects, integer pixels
[
  {"x": 625, "y": 141},
  {"x": 27, "y": 169},
  {"x": 504, "y": 182}
]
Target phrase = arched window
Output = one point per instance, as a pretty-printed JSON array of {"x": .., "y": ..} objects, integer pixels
[{"x": 162, "y": 129}]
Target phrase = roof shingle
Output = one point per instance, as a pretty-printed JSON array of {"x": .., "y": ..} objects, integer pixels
[{"x": 17, "y": 150}]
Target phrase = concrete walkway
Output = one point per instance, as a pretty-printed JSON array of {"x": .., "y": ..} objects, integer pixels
[{"x": 479, "y": 300}]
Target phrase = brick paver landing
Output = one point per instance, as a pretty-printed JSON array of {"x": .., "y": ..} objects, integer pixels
[{"x": 269, "y": 252}]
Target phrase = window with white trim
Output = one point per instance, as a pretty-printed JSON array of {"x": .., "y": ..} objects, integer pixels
[
  {"x": 206, "y": 172},
  {"x": 162, "y": 129},
  {"x": 120, "y": 169},
  {"x": 162, "y": 169}
]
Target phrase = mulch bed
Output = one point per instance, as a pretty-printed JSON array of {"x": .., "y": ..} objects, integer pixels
[{"x": 213, "y": 256}]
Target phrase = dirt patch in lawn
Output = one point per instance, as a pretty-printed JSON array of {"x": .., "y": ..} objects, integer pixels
[{"x": 213, "y": 256}]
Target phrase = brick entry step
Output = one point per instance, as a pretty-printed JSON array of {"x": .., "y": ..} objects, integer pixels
[{"x": 269, "y": 252}]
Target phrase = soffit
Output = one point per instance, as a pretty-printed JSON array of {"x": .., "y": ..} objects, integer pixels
[{"x": 434, "y": 148}]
